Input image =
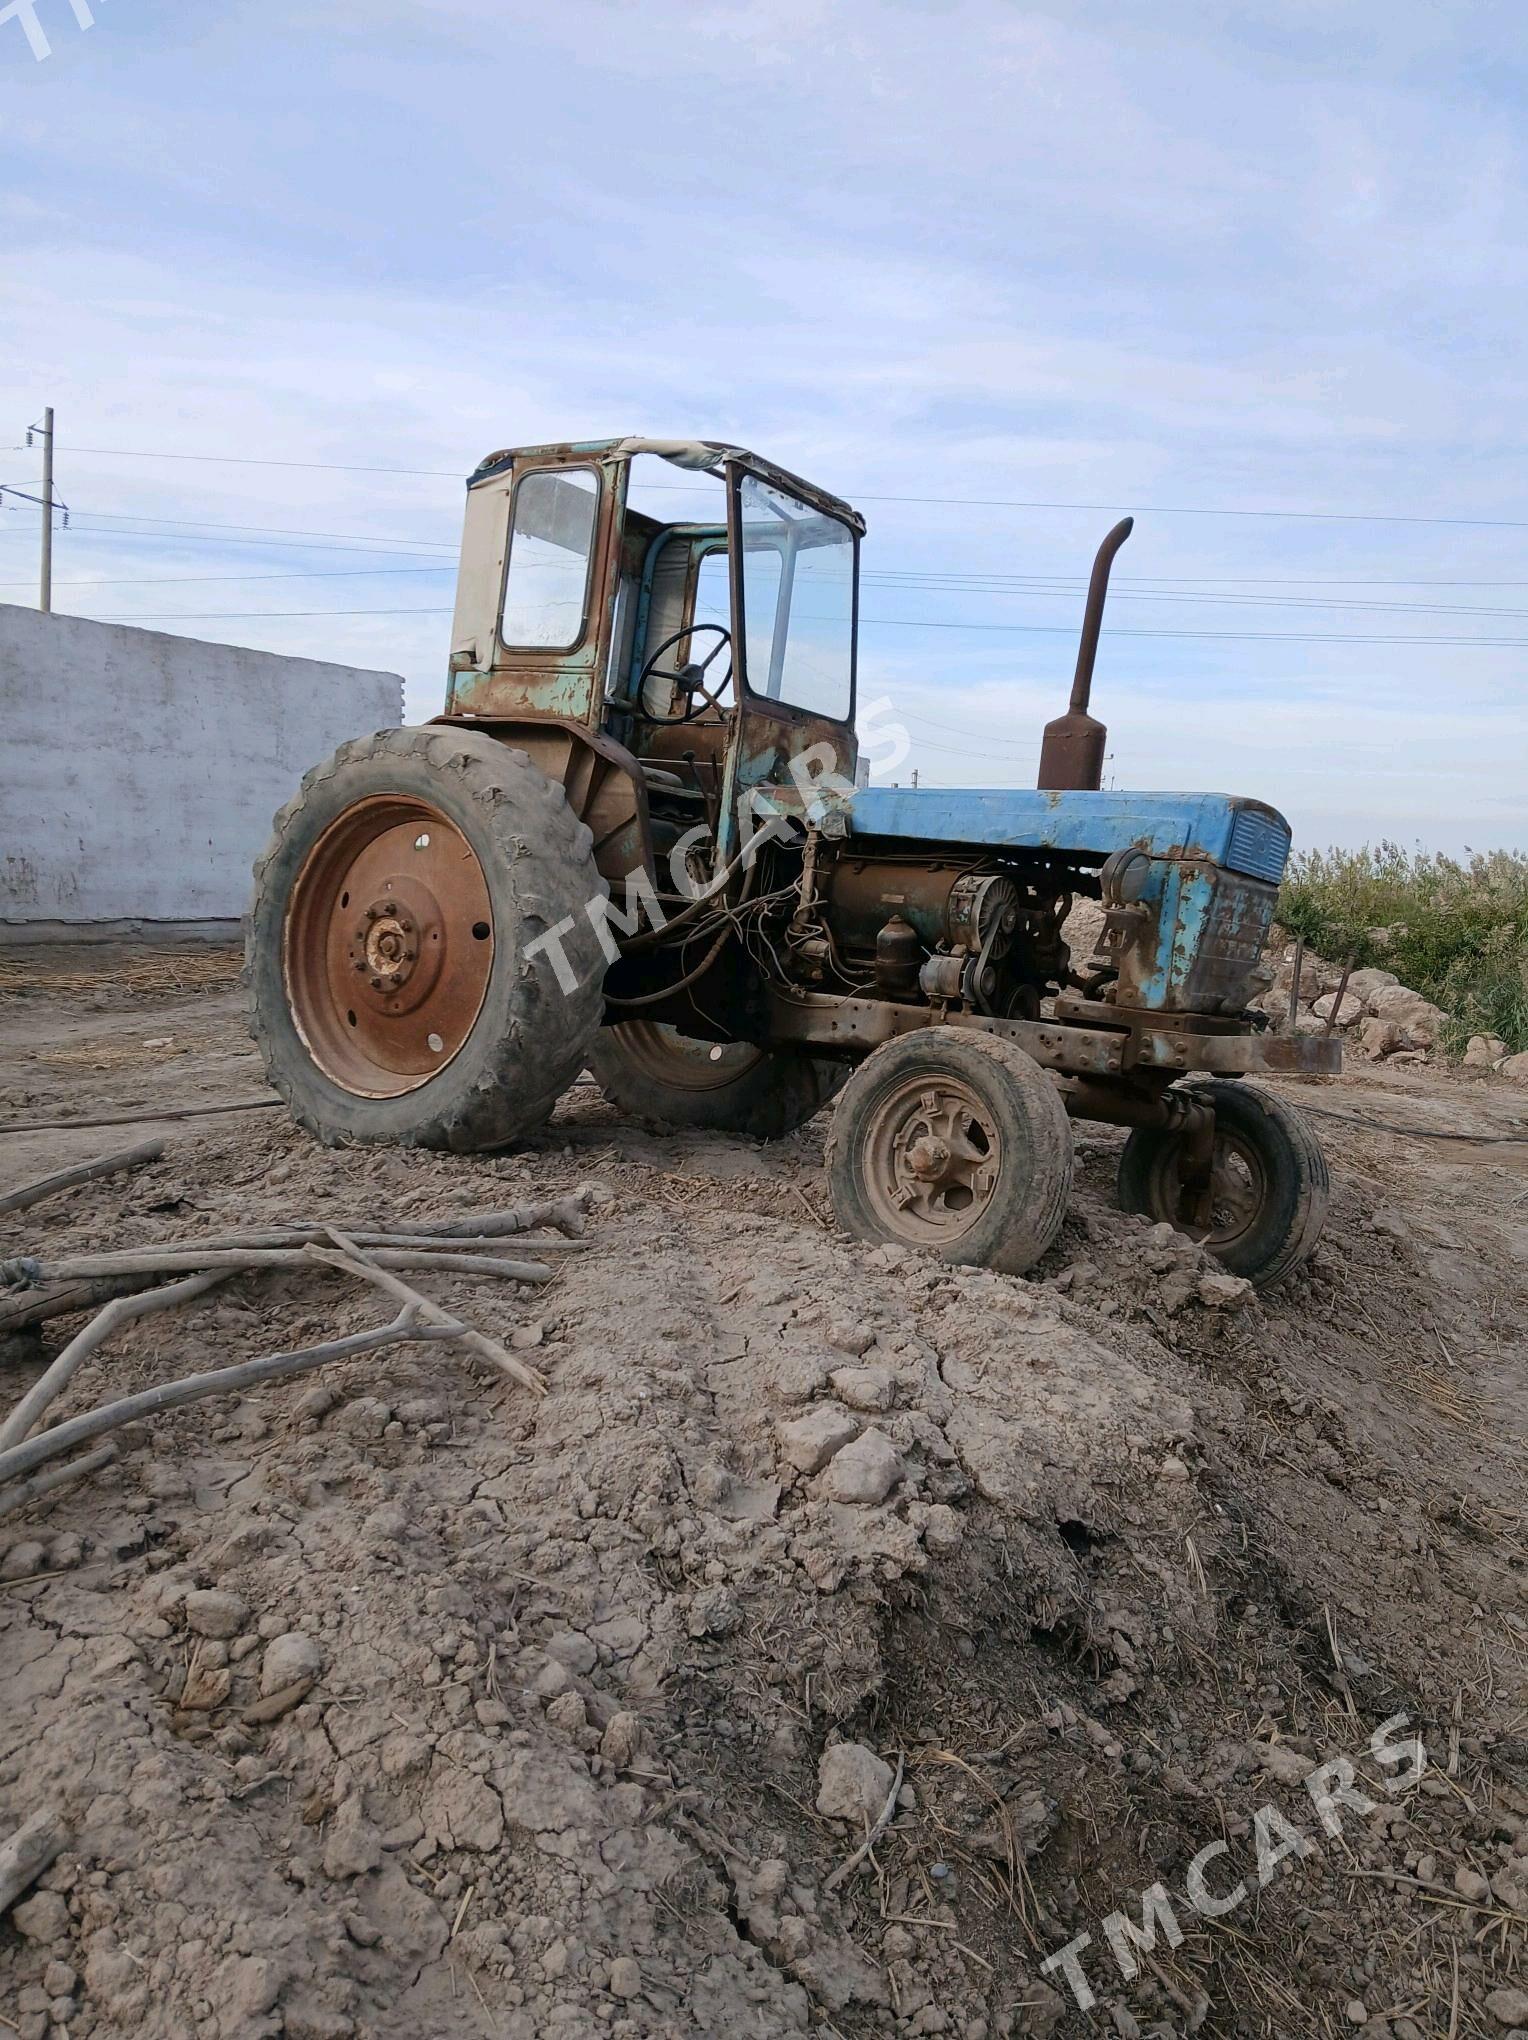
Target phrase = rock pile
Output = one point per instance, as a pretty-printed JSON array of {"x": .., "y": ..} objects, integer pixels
[{"x": 1378, "y": 1015}]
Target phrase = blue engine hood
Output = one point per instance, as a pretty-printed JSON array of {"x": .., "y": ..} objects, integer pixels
[{"x": 1242, "y": 835}]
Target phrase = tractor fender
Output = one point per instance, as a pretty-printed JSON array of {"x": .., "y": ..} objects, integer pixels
[{"x": 601, "y": 778}]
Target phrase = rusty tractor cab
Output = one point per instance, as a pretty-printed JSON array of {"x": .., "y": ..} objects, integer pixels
[{"x": 638, "y": 839}]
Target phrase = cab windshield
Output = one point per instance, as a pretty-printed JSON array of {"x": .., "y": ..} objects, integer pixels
[{"x": 798, "y": 600}]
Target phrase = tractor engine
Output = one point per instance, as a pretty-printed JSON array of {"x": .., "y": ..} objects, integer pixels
[
  {"x": 984, "y": 936},
  {"x": 1179, "y": 933}
]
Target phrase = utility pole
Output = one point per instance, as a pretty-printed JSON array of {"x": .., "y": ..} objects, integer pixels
[
  {"x": 49, "y": 502},
  {"x": 45, "y": 590}
]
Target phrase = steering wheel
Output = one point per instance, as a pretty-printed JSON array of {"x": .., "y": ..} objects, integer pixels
[{"x": 691, "y": 681}]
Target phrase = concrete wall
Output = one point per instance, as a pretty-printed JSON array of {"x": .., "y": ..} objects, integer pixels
[{"x": 139, "y": 772}]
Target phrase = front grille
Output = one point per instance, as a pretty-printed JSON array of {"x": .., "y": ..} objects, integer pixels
[{"x": 1259, "y": 845}]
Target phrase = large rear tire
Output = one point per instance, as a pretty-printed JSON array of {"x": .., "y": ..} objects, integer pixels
[
  {"x": 395, "y": 992},
  {"x": 650, "y": 1070},
  {"x": 956, "y": 1142},
  {"x": 1269, "y": 1182}
]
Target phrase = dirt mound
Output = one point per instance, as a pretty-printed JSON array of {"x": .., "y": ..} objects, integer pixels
[{"x": 608, "y": 1687}]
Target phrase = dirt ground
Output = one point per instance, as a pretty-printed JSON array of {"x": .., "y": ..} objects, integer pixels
[{"x": 1147, "y": 1554}]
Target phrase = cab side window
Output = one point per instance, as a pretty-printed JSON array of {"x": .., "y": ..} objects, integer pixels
[{"x": 551, "y": 543}]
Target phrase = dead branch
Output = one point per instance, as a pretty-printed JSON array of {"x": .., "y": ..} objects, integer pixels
[
  {"x": 171, "y": 1395},
  {"x": 81, "y": 1172},
  {"x": 23, "y": 1420},
  {"x": 317, "y": 1235},
  {"x": 368, "y": 1268},
  {"x": 562, "y": 1214},
  {"x": 29, "y": 1269},
  {"x": 882, "y": 1820},
  {"x": 23, "y": 1309},
  {"x": 27, "y": 1854},
  {"x": 21, "y": 1492}
]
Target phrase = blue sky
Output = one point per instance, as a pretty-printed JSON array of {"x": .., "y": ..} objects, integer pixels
[{"x": 1169, "y": 257}]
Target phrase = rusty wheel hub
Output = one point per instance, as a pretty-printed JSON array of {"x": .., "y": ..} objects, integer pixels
[
  {"x": 1220, "y": 1211},
  {"x": 932, "y": 1156},
  {"x": 389, "y": 945}
]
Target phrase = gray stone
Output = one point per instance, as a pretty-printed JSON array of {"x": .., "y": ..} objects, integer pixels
[
  {"x": 852, "y": 1783},
  {"x": 1348, "y": 1013},
  {"x": 288, "y": 1659},
  {"x": 809, "y": 1442},
  {"x": 212, "y": 1612},
  {"x": 1484, "y": 1052},
  {"x": 865, "y": 1388},
  {"x": 864, "y": 1471},
  {"x": 625, "y": 1977},
  {"x": 1378, "y": 1037},
  {"x": 43, "y": 1917},
  {"x": 944, "y": 1531},
  {"x": 1365, "y": 983},
  {"x": 22, "y": 1560},
  {"x": 569, "y": 1647}
]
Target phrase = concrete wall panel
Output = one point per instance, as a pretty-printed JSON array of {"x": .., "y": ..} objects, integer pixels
[{"x": 139, "y": 772}]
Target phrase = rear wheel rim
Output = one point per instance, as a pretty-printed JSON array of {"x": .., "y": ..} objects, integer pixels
[
  {"x": 388, "y": 946},
  {"x": 665, "y": 1056},
  {"x": 932, "y": 1158}
]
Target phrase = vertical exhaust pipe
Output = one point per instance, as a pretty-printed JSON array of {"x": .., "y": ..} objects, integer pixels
[{"x": 1072, "y": 752}]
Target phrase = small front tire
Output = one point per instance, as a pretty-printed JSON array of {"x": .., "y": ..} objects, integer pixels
[
  {"x": 1270, "y": 1185},
  {"x": 954, "y": 1142}
]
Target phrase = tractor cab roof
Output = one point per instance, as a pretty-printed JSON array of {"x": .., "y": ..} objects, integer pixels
[{"x": 699, "y": 456}]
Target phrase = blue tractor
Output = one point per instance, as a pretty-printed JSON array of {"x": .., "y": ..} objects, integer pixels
[{"x": 639, "y": 840}]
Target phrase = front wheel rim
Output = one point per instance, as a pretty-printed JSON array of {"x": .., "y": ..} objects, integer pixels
[
  {"x": 1238, "y": 1194},
  {"x": 932, "y": 1158},
  {"x": 388, "y": 946}
]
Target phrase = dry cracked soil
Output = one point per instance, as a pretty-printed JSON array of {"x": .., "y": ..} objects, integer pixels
[{"x": 587, "y": 1702}]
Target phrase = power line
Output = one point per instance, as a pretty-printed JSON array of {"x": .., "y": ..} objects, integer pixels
[
  {"x": 911, "y": 580},
  {"x": 249, "y": 544},
  {"x": 902, "y": 623},
  {"x": 249, "y": 460},
  {"x": 276, "y": 530},
  {"x": 300, "y": 574},
  {"x": 959, "y": 502},
  {"x": 1240, "y": 636}
]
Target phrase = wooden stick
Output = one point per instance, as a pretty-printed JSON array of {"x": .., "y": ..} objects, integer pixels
[
  {"x": 147, "y": 1118},
  {"x": 27, "y": 1854},
  {"x": 563, "y": 1214},
  {"x": 24, "y": 1419},
  {"x": 171, "y": 1395},
  {"x": 355, "y": 1261},
  {"x": 22, "y": 1309},
  {"x": 193, "y": 1261},
  {"x": 82, "y": 1172},
  {"x": 21, "y": 1492},
  {"x": 317, "y": 1235}
]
